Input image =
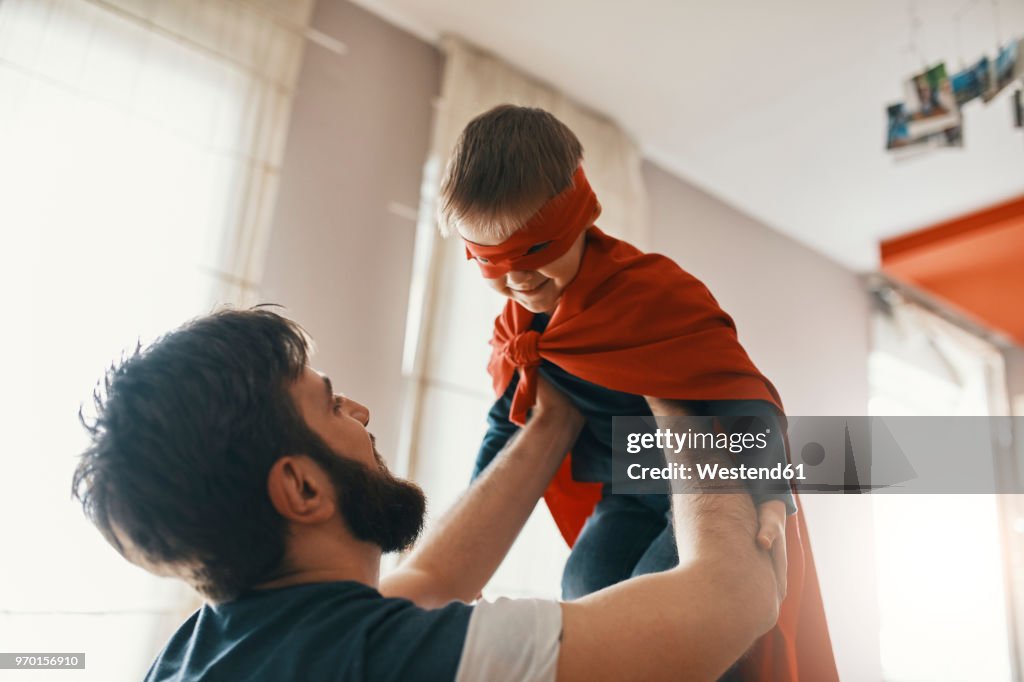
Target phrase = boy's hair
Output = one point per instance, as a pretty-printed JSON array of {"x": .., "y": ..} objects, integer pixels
[
  {"x": 506, "y": 164},
  {"x": 185, "y": 434}
]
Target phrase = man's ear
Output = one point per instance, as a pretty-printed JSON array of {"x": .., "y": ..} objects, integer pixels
[{"x": 300, "y": 490}]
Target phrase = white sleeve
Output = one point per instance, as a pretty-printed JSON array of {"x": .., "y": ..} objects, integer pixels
[{"x": 512, "y": 640}]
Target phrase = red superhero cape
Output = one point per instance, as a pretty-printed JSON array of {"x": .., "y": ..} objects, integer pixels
[{"x": 637, "y": 323}]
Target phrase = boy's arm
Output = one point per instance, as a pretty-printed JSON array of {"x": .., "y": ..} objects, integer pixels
[
  {"x": 761, "y": 490},
  {"x": 500, "y": 430},
  {"x": 468, "y": 543},
  {"x": 688, "y": 623}
]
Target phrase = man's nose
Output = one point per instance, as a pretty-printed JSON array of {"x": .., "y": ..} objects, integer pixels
[{"x": 358, "y": 411}]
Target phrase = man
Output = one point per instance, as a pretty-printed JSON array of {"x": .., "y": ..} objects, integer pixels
[{"x": 220, "y": 456}]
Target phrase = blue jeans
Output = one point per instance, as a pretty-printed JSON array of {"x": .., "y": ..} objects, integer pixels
[{"x": 626, "y": 536}]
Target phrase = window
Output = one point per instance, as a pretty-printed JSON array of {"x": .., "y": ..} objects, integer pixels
[
  {"x": 139, "y": 144},
  {"x": 939, "y": 558}
]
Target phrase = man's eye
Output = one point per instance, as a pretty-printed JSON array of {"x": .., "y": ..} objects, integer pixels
[
  {"x": 481, "y": 259},
  {"x": 537, "y": 247},
  {"x": 338, "y": 401}
]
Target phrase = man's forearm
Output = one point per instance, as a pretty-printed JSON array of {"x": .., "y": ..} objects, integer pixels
[
  {"x": 706, "y": 516},
  {"x": 710, "y": 519},
  {"x": 468, "y": 543},
  {"x": 716, "y": 526}
]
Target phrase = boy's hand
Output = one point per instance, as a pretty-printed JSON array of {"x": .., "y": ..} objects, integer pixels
[{"x": 771, "y": 536}]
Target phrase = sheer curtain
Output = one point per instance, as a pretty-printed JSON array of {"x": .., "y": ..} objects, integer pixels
[
  {"x": 140, "y": 144},
  {"x": 451, "y": 311}
]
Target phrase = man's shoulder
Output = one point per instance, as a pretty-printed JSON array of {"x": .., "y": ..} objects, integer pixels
[{"x": 340, "y": 631}]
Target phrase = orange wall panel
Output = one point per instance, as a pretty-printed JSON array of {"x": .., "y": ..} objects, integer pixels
[{"x": 974, "y": 264}]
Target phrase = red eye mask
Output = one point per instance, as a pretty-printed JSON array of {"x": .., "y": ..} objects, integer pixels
[{"x": 556, "y": 225}]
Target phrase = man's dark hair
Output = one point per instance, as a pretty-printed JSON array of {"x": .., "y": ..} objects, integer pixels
[{"x": 185, "y": 434}]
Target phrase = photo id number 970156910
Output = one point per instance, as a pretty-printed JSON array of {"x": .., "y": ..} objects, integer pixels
[{"x": 51, "y": 661}]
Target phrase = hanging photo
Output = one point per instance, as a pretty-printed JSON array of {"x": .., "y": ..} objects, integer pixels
[
  {"x": 930, "y": 106},
  {"x": 1008, "y": 66},
  {"x": 899, "y": 137},
  {"x": 950, "y": 137},
  {"x": 898, "y": 132},
  {"x": 973, "y": 82}
]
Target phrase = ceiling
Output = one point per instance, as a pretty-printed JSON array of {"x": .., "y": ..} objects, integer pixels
[{"x": 776, "y": 108}]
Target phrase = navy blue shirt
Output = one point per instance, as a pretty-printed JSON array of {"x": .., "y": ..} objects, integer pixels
[
  {"x": 592, "y": 453},
  {"x": 321, "y": 631}
]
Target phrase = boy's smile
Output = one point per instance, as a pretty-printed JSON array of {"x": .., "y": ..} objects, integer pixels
[
  {"x": 536, "y": 290},
  {"x": 538, "y": 299}
]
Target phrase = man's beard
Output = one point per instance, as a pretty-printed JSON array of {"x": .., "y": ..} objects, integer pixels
[{"x": 378, "y": 507}]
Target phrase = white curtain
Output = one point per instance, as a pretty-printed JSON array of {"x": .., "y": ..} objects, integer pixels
[
  {"x": 140, "y": 145},
  {"x": 451, "y": 311}
]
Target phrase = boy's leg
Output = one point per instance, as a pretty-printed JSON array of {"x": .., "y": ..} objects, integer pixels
[
  {"x": 661, "y": 554},
  {"x": 615, "y": 536}
]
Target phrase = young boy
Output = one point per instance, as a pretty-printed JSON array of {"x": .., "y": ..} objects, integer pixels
[{"x": 609, "y": 325}]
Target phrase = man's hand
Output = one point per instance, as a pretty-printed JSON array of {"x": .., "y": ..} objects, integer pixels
[
  {"x": 661, "y": 407},
  {"x": 771, "y": 536},
  {"x": 465, "y": 546},
  {"x": 771, "y": 533},
  {"x": 554, "y": 405}
]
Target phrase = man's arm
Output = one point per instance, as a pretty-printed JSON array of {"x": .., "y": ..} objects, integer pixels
[
  {"x": 772, "y": 499},
  {"x": 691, "y": 622},
  {"x": 468, "y": 543}
]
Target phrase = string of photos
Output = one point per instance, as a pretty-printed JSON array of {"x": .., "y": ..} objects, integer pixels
[{"x": 931, "y": 113}]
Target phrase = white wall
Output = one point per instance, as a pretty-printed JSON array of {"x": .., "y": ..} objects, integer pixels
[
  {"x": 804, "y": 321},
  {"x": 802, "y": 317},
  {"x": 338, "y": 258}
]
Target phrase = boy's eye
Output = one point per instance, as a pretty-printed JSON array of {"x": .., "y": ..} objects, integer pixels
[
  {"x": 482, "y": 260},
  {"x": 337, "y": 404},
  {"x": 537, "y": 247}
]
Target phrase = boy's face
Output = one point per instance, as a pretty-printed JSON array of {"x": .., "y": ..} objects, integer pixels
[{"x": 536, "y": 290}]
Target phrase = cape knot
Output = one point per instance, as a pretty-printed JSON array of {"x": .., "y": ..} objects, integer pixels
[{"x": 521, "y": 349}]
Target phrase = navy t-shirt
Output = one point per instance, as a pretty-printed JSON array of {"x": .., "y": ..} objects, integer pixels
[
  {"x": 592, "y": 452},
  {"x": 320, "y": 631}
]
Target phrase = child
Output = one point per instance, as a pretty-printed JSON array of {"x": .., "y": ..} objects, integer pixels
[{"x": 608, "y": 325}]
